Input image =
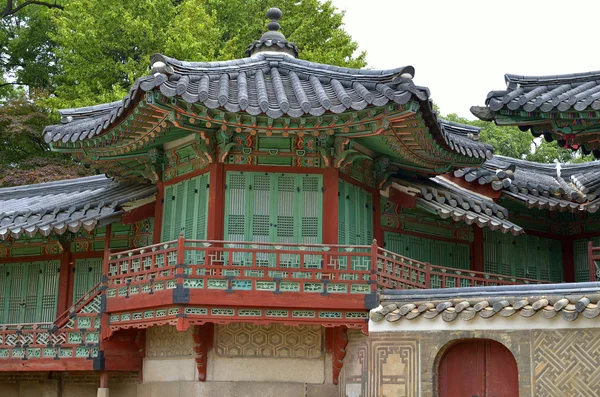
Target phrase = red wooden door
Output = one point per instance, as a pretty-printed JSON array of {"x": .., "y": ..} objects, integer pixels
[{"x": 478, "y": 368}]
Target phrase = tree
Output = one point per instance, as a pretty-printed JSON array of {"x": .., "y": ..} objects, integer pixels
[
  {"x": 12, "y": 7},
  {"x": 84, "y": 52},
  {"x": 103, "y": 45}
]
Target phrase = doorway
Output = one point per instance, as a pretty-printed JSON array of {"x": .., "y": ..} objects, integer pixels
[{"x": 478, "y": 368}]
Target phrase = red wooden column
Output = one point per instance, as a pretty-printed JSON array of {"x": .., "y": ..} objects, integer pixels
[
  {"x": 330, "y": 205},
  {"x": 477, "y": 257},
  {"x": 568, "y": 261},
  {"x": 377, "y": 230},
  {"x": 216, "y": 202},
  {"x": 158, "y": 212},
  {"x": 105, "y": 268},
  {"x": 65, "y": 288}
]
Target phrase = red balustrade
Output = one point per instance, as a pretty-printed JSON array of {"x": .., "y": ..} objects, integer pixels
[{"x": 395, "y": 271}]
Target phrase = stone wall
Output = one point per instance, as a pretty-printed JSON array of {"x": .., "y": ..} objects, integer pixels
[
  {"x": 65, "y": 384},
  {"x": 246, "y": 360},
  {"x": 564, "y": 362}
]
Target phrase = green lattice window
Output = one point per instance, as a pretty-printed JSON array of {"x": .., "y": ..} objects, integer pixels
[
  {"x": 88, "y": 273},
  {"x": 355, "y": 212},
  {"x": 522, "y": 256},
  {"x": 28, "y": 292},
  {"x": 273, "y": 207},
  {"x": 186, "y": 209},
  {"x": 580, "y": 258},
  {"x": 439, "y": 253}
]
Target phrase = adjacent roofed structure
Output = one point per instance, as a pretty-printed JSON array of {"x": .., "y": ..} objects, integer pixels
[{"x": 565, "y": 108}]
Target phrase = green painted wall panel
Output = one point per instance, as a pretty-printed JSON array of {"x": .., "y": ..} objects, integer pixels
[
  {"x": 273, "y": 207},
  {"x": 186, "y": 209},
  {"x": 29, "y": 292},
  {"x": 87, "y": 273},
  {"x": 522, "y": 256},
  {"x": 439, "y": 253},
  {"x": 580, "y": 258},
  {"x": 355, "y": 214}
]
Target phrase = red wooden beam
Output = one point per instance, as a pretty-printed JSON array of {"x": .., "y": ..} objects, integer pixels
[
  {"x": 404, "y": 200},
  {"x": 568, "y": 261},
  {"x": 64, "y": 287},
  {"x": 248, "y": 298},
  {"x": 330, "y": 205},
  {"x": 216, "y": 202},
  {"x": 158, "y": 212},
  {"x": 46, "y": 364},
  {"x": 139, "y": 214},
  {"x": 477, "y": 256},
  {"x": 377, "y": 230},
  {"x": 485, "y": 190}
]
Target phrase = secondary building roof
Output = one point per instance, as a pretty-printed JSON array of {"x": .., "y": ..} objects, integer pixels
[
  {"x": 67, "y": 205},
  {"x": 565, "y": 108},
  {"x": 556, "y": 187}
]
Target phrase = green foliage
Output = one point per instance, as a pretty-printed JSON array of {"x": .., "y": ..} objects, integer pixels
[
  {"x": 104, "y": 45},
  {"x": 88, "y": 52},
  {"x": 512, "y": 142}
]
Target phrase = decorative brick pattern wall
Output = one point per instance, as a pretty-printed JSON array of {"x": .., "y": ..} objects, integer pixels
[
  {"x": 563, "y": 363},
  {"x": 566, "y": 362},
  {"x": 273, "y": 340},
  {"x": 166, "y": 342}
]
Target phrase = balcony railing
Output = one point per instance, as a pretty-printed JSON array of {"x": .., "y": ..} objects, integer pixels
[
  {"x": 395, "y": 271},
  {"x": 241, "y": 266},
  {"x": 74, "y": 334},
  {"x": 260, "y": 266}
]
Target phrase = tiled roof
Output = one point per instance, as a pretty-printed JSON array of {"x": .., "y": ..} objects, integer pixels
[
  {"x": 564, "y": 187},
  {"x": 464, "y": 139},
  {"x": 550, "y": 300},
  {"x": 580, "y": 91},
  {"x": 65, "y": 205},
  {"x": 449, "y": 200},
  {"x": 273, "y": 84}
]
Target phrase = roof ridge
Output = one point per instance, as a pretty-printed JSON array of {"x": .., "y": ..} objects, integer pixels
[
  {"x": 94, "y": 179},
  {"x": 555, "y": 78}
]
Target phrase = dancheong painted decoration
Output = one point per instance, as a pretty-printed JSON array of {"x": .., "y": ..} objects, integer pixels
[{"x": 254, "y": 220}]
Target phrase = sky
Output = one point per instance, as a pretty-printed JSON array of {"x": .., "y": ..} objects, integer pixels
[{"x": 461, "y": 49}]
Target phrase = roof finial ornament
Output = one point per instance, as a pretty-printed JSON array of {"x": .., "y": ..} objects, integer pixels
[
  {"x": 274, "y": 14},
  {"x": 273, "y": 40}
]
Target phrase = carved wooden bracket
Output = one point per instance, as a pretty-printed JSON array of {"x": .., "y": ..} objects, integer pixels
[
  {"x": 336, "y": 339},
  {"x": 203, "y": 341}
]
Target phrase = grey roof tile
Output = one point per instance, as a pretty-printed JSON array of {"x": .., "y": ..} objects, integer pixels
[
  {"x": 274, "y": 84},
  {"x": 65, "y": 205},
  {"x": 568, "y": 187}
]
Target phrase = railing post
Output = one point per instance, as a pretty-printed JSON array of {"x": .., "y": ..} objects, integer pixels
[
  {"x": 181, "y": 295},
  {"x": 374, "y": 270},
  {"x": 427, "y": 275},
  {"x": 592, "y": 263}
]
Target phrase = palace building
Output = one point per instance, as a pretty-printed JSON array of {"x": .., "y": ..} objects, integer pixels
[{"x": 272, "y": 226}]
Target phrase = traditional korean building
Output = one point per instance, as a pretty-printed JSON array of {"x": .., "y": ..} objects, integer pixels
[{"x": 254, "y": 214}]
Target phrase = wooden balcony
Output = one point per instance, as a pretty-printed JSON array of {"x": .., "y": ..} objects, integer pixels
[
  {"x": 192, "y": 282},
  {"x": 187, "y": 282}
]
